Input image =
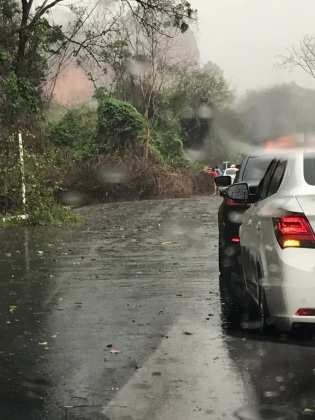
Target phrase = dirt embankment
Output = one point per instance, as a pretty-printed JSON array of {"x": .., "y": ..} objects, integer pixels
[{"x": 105, "y": 180}]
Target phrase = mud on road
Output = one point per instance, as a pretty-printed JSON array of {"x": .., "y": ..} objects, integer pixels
[{"x": 119, "y": 318}]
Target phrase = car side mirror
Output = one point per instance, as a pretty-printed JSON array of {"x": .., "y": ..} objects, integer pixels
[
  {"x": 223, "y": 181},
  {"x": 238, "y": 192}
]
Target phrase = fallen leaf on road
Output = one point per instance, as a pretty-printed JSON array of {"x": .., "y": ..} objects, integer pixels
[
  {"x": 12, "y": 308},
  {"x": 309, "y": 411},
  {"x": 156, "y": 374}
]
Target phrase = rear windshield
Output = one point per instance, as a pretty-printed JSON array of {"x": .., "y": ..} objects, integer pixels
[
  {"x": 255, "y": 168},
  {"x": 309, "y": 168}
]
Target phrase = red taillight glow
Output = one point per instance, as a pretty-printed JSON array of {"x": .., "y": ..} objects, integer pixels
[
  {"x": 305, "y": 312},
  {"x": 294, "y": 231},
  {"x": 235, "y": 240},
  {"x": 233, "y": 203}
]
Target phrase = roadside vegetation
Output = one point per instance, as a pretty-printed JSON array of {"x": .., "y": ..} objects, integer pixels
[{"x": 125, "y": 143}]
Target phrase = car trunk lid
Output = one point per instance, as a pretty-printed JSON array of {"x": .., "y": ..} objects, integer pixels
[{"x": 307, "y": 203}]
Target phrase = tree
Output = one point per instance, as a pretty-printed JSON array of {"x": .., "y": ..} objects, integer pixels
[
  {"x": 134, "y": 54},
  {"x": 153, "y": 13},
  {"x": 195, "y": 95},
  {"x": 26, "y": 37},
  {"x": 29, "y": 37},
  {"x": 302, "y": 56},
  {"x": 196, "y": 87}
]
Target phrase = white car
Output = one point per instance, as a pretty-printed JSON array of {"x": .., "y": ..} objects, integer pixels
[
  {"x": 231, "y": 172},
  {"x": 278, "y": 241}
]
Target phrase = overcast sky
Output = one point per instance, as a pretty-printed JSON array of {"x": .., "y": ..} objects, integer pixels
[{"x": 245, "y": 38}]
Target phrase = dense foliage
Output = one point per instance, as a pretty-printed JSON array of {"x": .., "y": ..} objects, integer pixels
[
  {"x": 143, "y": 117},
  {"x": 24, "y": 46},
  {"x": 76, "y": 131},
  {"x": 120, "y": 125}
]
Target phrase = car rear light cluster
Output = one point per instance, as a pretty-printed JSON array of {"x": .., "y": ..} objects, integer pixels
[
  {"x": 305, "y": 312},
  {"x": 294, "y": 231},
  {"x": 233, "y": 203}
]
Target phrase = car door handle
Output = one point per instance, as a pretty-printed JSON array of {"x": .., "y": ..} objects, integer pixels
[{"x": 258, "y": 226}]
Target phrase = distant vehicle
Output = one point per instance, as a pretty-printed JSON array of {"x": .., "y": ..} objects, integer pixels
[
  {"x": 278, "y": 240},
  {"x": 230, "y": 213},
  {"x": 226, "y": 164},
  {"x": 231, "y": 172}
]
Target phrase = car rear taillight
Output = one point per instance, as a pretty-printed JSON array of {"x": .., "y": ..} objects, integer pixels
[
  {"x": 233, "y": 203},
  {"x": 305, "y": 312},
  {"x": 236, "y": 240},
  {"x": 294, "y": 231}
]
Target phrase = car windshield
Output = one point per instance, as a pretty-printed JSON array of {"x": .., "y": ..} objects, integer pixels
[
  {"x": 127, "y": 288},
  {"x": 255, "y": 168}
]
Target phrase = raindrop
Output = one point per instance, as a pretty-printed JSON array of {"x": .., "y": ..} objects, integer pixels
[
  {"x": 113, "y": 174},
  {"x": 205, "y": 112},
  {"x": 235, "y": 217},
  {"x": 271, "y": 394},
  {"x": 187, "y": 113},
  {"x": 230, "y": 251},
  {"x": 73, "y": 198},
  {"x": 274, "y": 268},
  {"x": 138, "y": 67}
]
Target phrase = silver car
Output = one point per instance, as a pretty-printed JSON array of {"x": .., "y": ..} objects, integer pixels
[{"x": 278, "y": 241}]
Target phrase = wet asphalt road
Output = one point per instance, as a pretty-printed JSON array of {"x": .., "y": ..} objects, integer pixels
[{"x": 119, "y": 319}]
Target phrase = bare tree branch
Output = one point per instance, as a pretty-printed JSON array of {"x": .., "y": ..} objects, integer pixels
[{"x": 302, "y": 56}]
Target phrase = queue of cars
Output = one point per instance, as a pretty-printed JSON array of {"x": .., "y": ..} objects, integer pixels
[{"x": 266, "y": 232}]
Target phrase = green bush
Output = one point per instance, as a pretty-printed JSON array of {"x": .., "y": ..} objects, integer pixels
[
  {"x": 76, "y": 131},
  {"x": 44, "y": 175},
  {"x": 120, "y": 125},
  {"x": 167, "y": 140}
]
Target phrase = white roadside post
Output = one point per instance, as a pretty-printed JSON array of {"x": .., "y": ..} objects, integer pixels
[
  {"x": 22, "y": 171},
  {"x": 23, "y": 216}
]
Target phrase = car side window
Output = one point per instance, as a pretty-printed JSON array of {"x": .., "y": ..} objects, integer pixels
[
  {"x": 277, "y": 178},
  {"x": 264, "y": 185}
]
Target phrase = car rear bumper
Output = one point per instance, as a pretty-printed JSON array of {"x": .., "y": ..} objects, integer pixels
[{"x": 291, "y": 287}]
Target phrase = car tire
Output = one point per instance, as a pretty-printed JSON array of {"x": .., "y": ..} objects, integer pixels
[
  {"x": 225, "y": 262},
  {"x": 220, "y": 258},
  {"x": 265, "y": 324},
  {"x": 262, "y": 310},
  {"x": 231, "y": 309}
]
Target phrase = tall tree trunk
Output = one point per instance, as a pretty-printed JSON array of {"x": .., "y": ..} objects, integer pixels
[{"x": 23, "y": 37}]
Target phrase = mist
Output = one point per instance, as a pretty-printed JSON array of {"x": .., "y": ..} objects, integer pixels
[{"x": 246, "y": 37}]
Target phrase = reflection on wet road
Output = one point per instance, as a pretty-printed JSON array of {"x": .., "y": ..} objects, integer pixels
[{"x": 119, "y": 318}]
